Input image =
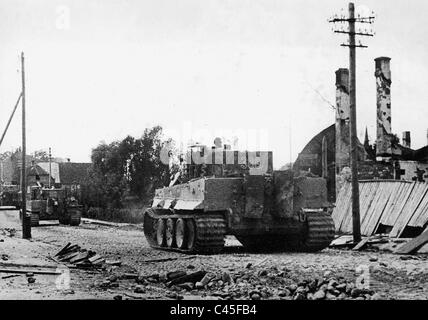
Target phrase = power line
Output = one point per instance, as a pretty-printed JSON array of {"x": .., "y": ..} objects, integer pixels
[{"x": 321, "y": 96}]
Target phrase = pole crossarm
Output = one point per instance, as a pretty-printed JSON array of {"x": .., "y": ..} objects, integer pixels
[
  {"x": 353, "y": 45},
  {"x": 355, "y": 33},
  {"x": 355, "y": 20}
]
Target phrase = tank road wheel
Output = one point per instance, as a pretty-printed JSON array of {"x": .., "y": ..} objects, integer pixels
[
  {"x": 170, "y": 232},
  {"x": 191, "y": 233},
  {"x": 180, "y": 234},
  {"x": 160, "y": 233},
  {"x": 63, "y": 218}
]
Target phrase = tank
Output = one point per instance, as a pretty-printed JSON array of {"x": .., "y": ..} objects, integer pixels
[
  {"x": 52, "y": 204},
  {"x": 224, "y": 192},
  {"x": 9, "y": 195}
]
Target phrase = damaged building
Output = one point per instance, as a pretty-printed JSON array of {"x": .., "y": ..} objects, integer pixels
[{"x": 393, "y": 176}]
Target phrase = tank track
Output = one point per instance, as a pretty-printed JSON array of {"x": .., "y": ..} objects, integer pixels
[
  {"x": 75, "y": 217},
  {"x": 320, "y": 231},
  {"x": 35, "y": 218},
  {"x": 319, "y": 234},
  {"x": 209, "y": 230}
]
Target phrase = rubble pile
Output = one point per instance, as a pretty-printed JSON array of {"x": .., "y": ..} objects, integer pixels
[
  {"x": 79, "y": 257},
  {"x": 8, "y": 232},
  {"x": 252, "y": 284}
]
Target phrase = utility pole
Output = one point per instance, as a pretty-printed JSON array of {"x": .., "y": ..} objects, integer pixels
[
  {"x": 351, "y": 20},
  {"x": 50, "y": 169},
  {"x": 26, "y": 220}
]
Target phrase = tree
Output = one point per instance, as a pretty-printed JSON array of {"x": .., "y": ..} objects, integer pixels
[
  {"x": 147, "y": 170},
  {"x": 41, "y": 155},
  {"x": 128, "y": 167}
]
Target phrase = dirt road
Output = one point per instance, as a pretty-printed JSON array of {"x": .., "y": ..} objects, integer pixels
[{"x": 238, "y": 274}]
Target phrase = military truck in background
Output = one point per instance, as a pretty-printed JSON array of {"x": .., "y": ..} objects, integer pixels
[
  {"x": 223, "y": 192},
  {"x": 52, "y": 204},
  {"x": 9, "y": 195}
]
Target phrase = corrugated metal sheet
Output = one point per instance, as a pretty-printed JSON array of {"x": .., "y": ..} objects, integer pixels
[{"x": 394, "y": 203}]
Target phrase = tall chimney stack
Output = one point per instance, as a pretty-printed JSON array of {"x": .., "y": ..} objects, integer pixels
[
  {"x": 383, "y": 102},
  {"x": 406, "y": 139},
  {"x": 342, "y": 120}
]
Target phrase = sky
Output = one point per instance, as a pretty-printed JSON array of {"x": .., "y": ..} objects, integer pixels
[{"x": 98, "y": 70}]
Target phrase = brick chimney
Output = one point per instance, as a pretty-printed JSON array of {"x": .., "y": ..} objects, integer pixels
[
  {"x": 342, "y": 120},
  {"x": 406, "y": 139},
  {"x": 383, "y": 102}
]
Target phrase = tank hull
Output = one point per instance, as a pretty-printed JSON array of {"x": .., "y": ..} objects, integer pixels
[{"x": 255, "y": 209}]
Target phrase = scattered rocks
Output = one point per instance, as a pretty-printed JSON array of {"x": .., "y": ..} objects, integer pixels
[
  {"x": 299, "y": 296},
  {"x": 113, "y": 278},
  {"x": 174, "y": 295},
  {"x": 319, "y": 295},
  {"x": 226, "y": 278},
  {"x": 187, "y": 286},
  {"x": 292, "y": 287},
  {"x": 376, "y": 296},
  {"x": 263, "y": 273},
  {"x": 255, "y": 295},
  {"x": 139, "y": 289}
]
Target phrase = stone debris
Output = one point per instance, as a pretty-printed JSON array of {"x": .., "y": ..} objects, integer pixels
[
  {"x": 8, "y": 232},
  {"x": 31, "y": 279},
  {"x": 249, "y": 284}
]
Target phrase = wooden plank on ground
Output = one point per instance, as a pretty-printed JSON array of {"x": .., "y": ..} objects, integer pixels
[
  {"x": 7, "y": 208},
  {"x": 361, "y": 244},
  {"x": 81, "y": 256},
  {"x": 69, "y": 256},
  {"x": 413, "y": 245},
  {"x": 94, "y": 258},
  {"x": 34, "y": 271},
  {"x": 64, "y": 249}
]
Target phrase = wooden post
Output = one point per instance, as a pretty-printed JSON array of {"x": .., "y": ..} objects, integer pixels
[
  {"x": 26, "y": 220},
  {"x": 50, "y": 169},
  {"x": 356, "y": 227},
  {"x": 324, "y": 153}
]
